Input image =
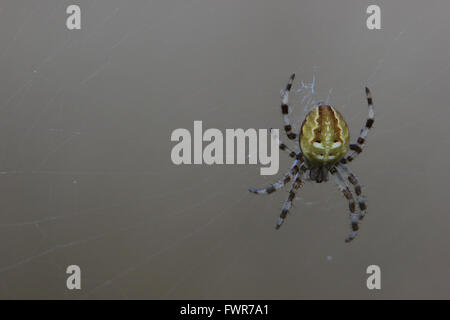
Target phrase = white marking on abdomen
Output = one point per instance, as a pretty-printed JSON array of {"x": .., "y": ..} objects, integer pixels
[{"x": 318, "y": 145}]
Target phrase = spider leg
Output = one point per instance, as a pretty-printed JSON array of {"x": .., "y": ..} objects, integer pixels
[
  {"x": 280, "y": 183},
  {"x": 290, "y": 199},
  {"x": 285, "y": 109},
  {"x": 344, "y": 187},
  {"x": 357, "y": 147},
  {"x": 290, "y": 152},
  {"x": 350, "y": 176}
]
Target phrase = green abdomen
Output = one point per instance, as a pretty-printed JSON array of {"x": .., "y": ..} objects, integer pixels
[{"x": 324, "y": 136}]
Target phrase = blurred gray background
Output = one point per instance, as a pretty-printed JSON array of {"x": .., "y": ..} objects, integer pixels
[{"x": 86, "y": 175}]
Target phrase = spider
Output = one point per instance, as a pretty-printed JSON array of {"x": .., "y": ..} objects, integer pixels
[{"x": 324, "y": 143}]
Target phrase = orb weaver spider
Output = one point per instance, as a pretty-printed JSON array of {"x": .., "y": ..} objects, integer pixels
[{"x": 324, "y": 143}]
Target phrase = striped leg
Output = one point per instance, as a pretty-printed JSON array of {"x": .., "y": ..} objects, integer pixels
[
  {"x": 291, "y": 153},
  {"x": 285, "y": 109},
  {"x": 344, "y": 187},
  {"x": 290, "y": 199},
  {"x": 357, "y": 147},
  {"x": 350, "y": 176},
  {"x": 280, "y": 183}
]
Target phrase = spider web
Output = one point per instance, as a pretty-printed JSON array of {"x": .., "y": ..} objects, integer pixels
[{"x": 164, "y": 239}]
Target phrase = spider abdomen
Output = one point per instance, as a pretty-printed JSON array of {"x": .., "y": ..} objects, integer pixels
[{"x": 324, "y": 136}]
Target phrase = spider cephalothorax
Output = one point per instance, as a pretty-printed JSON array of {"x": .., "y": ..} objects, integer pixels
[{"x": 324, "y": 144}]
